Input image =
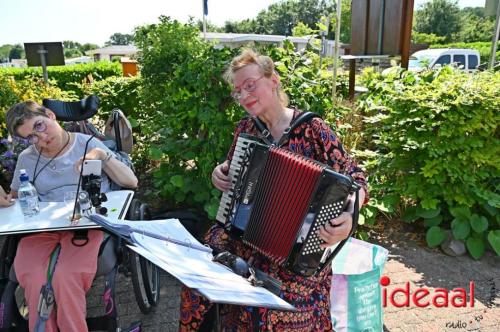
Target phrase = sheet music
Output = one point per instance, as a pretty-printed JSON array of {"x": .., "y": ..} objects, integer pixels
[{"x": 194, "y": 267}]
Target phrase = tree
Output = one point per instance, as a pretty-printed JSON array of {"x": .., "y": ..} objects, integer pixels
[
  {"x": 210, "y": 26},
  {"x": 120, "y": 39},
  {"x": 475, "y": 26},
  {"x": 280, "y": 18},
  {"x": 17, "y": 52},
  {"x": 4, "y": 52},
  {"x": 439, "y": 17}
]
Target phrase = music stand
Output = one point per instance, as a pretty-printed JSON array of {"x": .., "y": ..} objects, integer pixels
[{"x": 44, "y": 54}]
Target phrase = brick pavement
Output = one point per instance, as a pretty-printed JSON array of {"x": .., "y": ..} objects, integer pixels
[
  {"x": 423, "y": 267},
  {"x": 409, "y": 261}
]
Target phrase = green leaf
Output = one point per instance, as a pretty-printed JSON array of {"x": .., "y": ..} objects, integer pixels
[
  {"x": 434, "y": 236},
  {"x": 155, "y": 153},
  {"x": 361, "y": 219},
  {"x": 410, "y": 214},
  {"x": 211, "y": 210},
  {"x": 476, "y": 247},
  {"x": 494, "y": 240},
  {"x": 462, "y": 212},
  {"x": 460, "y": 228},
  {"x": 177, "y": 180},
  {"x": 493, "y": 211},
  {"x": 362, "y": 235},
  {"x": 428, "y": 213},
  {"x": 435, "y": 221},
  {"x": 478, "y": 223}
]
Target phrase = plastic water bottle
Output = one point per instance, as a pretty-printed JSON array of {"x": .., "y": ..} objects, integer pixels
[{"x": 28, "y": 196}]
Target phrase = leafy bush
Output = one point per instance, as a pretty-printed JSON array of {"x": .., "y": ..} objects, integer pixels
[
  {"x": 436, "y": 153},
  {"x": 67, "y": 78}
]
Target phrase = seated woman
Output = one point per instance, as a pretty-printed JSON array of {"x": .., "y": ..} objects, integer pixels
[
  {"x": 256, "y": 87},
  {"x": 52, "y": 163}
]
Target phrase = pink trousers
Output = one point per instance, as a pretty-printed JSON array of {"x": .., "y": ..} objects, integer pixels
[{"x": 73, "y": 276}]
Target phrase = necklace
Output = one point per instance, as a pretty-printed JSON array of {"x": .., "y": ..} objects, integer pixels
[{"x": 35, "y": 174}]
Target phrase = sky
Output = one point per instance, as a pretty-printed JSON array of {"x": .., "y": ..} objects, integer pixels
[{"x": 94, "y": 21}]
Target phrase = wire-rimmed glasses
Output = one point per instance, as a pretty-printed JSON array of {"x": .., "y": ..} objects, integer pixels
[{"x": 249, "y": 85}]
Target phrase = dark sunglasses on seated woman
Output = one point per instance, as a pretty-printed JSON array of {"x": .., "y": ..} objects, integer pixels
[
  {"x": 39, "y": 127},
  {"x": 249, "y": 86}
]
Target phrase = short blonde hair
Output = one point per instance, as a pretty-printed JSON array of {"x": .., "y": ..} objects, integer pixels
[{"x": 265, "y": 63}]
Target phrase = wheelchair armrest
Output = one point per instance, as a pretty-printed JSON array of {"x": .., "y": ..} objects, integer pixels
[{"x": 73, "y": 110}]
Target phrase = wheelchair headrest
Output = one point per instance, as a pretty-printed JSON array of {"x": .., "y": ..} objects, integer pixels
[{"x": 73, "y": 110}]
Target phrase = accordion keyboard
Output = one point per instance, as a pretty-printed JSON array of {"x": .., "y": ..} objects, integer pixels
[{"x": 243, "y": 148}]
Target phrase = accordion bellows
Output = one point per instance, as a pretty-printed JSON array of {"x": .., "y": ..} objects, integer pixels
[{"x": 279, "y": 200}]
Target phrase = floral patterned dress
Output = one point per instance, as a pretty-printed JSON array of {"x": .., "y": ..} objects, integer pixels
[{"x": 310, "y": 296}]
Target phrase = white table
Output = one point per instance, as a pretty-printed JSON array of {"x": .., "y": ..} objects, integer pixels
[{"x": 55, "y": 216}]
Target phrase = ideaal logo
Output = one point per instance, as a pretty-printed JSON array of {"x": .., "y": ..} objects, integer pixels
[{"x": 422, "y": 297}]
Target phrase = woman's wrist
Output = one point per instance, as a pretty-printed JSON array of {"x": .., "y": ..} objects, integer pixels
[{"x": 107, "y": 157}]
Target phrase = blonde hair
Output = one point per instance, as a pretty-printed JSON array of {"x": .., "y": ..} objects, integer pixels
[{"x": 265, "y": 63}]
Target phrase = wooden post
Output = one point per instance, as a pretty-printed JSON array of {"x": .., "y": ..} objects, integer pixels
[
  {"x": 406, "y": 34},
  {"x": 352, "y": 78}
]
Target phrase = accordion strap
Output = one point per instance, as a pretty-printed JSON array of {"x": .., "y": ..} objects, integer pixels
[{"x": 266, "y": 134}]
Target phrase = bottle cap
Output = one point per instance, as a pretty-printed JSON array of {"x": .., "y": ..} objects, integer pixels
[{"x": 23, "y": 176}]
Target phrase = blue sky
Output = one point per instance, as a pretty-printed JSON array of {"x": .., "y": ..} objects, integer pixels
[{"x": 93, "y": 21}]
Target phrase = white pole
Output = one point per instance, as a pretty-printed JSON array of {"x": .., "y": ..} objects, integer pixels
[
  {"x": 336, "y": 49},
  {"x": 494, "y": 45}
]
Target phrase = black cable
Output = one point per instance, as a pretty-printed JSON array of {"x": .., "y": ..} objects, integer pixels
[{"x": 80, "y": 176}]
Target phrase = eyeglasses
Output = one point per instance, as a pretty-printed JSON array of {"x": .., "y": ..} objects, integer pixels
[
  {"x": 249, "y": 86},
  {"x": 39, "y": 127}
]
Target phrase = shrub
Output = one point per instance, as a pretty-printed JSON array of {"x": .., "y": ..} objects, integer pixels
[
  {"x": 67, "y": 78},
  {"x": 435, "y": 151}
]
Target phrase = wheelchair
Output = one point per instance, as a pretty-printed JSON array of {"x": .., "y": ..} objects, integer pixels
[{"x": 113, "y": 257}]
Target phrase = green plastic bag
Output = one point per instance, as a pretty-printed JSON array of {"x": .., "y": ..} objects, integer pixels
[{"x": 355, "y": 296}]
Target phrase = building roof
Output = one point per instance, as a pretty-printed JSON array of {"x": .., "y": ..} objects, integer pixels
[
  {"x": 243, "y": 37},
  {"x": 114, "y": 49}
]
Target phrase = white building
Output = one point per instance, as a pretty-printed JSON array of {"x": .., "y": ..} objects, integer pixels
[
  {"x": 109, "y": 52},
  {"x": 242, "y": 39}
]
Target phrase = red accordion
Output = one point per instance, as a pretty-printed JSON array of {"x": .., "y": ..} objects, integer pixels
[{"x": 279, "y": 200}]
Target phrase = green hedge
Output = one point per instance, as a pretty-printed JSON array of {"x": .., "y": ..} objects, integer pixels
[
  {"x": 67, "y": 78},
  {"x": 435, "y": 152}
]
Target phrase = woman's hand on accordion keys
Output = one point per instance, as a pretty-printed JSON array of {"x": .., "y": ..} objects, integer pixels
[
  {"x": 220, "y": 179},
  {"x": 336, "y": 230}
]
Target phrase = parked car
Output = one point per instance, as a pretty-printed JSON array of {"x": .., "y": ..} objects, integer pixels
[{"x": 467, "y": 59}]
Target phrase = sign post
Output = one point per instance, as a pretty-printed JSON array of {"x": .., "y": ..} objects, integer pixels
[{"x": 44, "y": 54}]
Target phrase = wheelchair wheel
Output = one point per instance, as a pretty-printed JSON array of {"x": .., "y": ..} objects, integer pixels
[
  {"x": 139, "y": 283},
  {"x": 133, "y": 212}
]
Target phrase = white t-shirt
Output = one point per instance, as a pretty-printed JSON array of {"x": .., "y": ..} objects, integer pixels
[{"x": 60, "y": 175}]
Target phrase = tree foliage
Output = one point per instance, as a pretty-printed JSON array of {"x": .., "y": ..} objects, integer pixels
[
  {"x": 16, "y": 52},
  {"x": 441, "y": 17},
  {"x": 120, "y": 39}
]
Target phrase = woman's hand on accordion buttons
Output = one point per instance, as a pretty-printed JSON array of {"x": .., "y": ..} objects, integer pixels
[
  {"x": 336, "y": 229},
  {"x": 220, "y": 179}
]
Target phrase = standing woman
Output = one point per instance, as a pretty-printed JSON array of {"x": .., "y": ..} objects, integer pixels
[
  {"x": 256, "y": 86},
  {"x": 52, "y": 162}
]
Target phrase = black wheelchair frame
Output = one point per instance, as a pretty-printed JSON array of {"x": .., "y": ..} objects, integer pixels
[{"x": 145, "y": 275}]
